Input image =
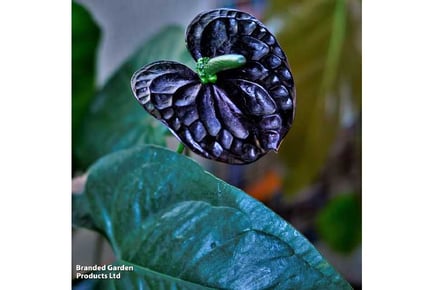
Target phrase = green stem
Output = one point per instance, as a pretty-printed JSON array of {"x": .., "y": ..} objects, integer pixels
[
  {"x": 207, "y": 68},
  {"x": 180, "y": 148}
]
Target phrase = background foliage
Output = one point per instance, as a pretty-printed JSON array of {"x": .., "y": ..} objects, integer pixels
[
  {"x": 114, "y": 120},
  {"x": 85, "y": 39},
  {"x": 323, "y": 42}
]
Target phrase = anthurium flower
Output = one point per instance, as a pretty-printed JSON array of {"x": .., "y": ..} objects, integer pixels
[{"x": 241, "y": 101}]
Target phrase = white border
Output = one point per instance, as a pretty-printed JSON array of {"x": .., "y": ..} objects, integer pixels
[
  {"x": 35, "y": 144},
  {"x": 398, "y": 145}
]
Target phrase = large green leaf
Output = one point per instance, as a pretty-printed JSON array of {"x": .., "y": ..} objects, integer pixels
[
  {"x": 85, "y": 38},
  {"x": 115, "y": 120},
  {"x": 183, "y": 228},
  {"x": 322, "y": 39}
]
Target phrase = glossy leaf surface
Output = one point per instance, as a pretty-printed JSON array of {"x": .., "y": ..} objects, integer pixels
[
  {"x": 114, "y": 121},
  {"x": 241, "y": 117},
  {"x": 181, "y": 227}
]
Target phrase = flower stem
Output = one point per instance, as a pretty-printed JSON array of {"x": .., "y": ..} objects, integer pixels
[{"x": 180, "y": 148}]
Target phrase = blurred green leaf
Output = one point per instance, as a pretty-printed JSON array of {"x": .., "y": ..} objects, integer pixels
[
  {"x": 322, "y": 39},
  {"x": 339, "y": 224},
  {"x": 85, "y": 38},
  {"x": 183, "y": 228},
  {"x": 115, "y": 119},
  {"x": 82, "y": 217}
]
